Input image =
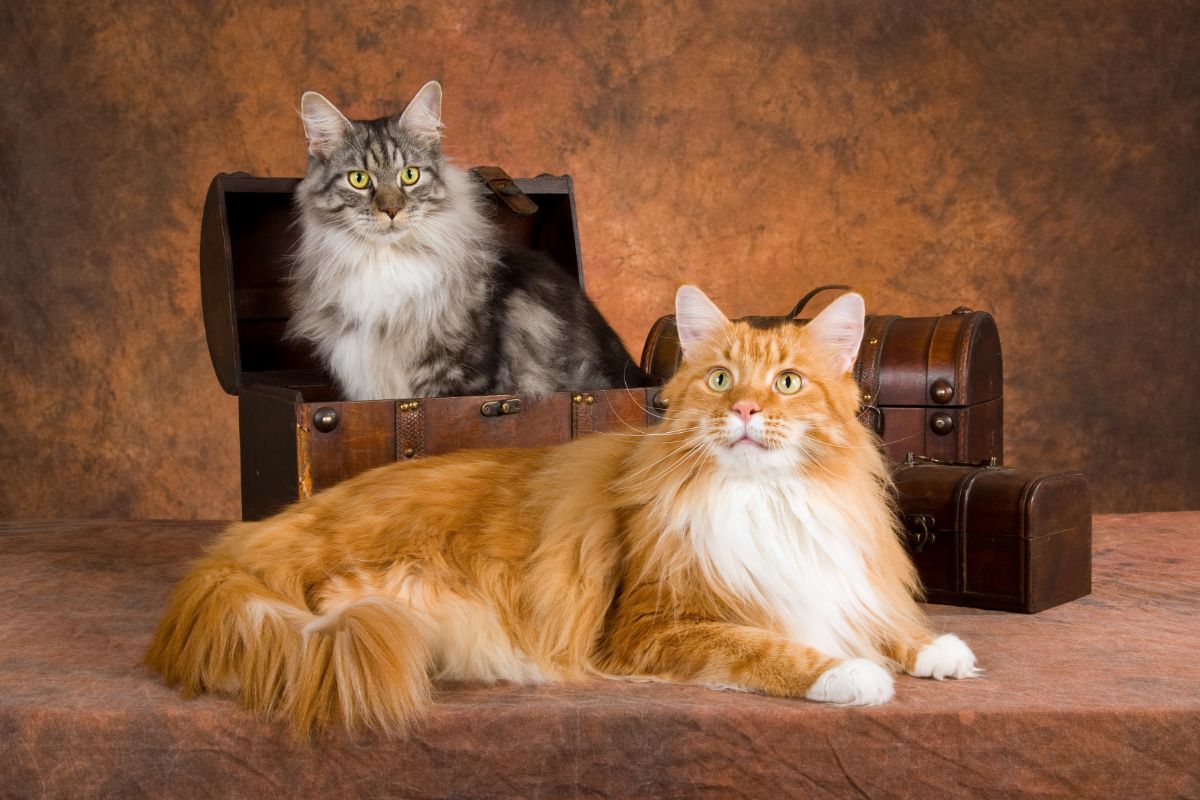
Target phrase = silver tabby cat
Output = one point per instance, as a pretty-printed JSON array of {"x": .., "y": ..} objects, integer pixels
[{"x": 401, "y": 282}]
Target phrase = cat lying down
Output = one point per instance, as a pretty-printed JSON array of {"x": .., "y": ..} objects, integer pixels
[{"x": 747, "y": 541}]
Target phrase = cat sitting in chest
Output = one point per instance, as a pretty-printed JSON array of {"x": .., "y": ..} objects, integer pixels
[{"x": 402, "y": 285}]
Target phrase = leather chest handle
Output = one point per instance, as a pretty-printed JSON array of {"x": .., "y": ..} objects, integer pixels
[
  {"x": 500, "y": 184},
  {"x": 796, "y": 309}
]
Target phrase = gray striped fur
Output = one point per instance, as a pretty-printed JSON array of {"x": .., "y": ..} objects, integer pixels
[{"x": 406, "y": 291}]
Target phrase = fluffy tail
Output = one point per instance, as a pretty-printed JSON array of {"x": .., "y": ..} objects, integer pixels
[{"x": 227, "y": 631}]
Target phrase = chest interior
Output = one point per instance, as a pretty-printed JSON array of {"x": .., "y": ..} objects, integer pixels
[{"x": 248, "y": 237}]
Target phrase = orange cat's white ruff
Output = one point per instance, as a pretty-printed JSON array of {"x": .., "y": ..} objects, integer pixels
[{"x": 747, "y": 541}]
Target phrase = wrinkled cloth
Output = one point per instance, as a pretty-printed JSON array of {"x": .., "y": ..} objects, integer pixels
[{"x": 1100, "y": 697}]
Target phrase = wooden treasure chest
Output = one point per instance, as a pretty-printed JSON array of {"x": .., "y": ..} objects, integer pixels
[
  {"x": 297, "y": 435},
  {"x": 932, "y": 386},
  {"x": 987, "y": 536}
]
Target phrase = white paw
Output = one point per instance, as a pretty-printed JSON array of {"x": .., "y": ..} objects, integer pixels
[
  {"x": 856, "y": 682},
  {"x": 945, "y": 657}
]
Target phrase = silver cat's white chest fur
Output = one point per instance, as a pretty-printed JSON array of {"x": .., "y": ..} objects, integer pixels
[{"x": 382, "y": 305}]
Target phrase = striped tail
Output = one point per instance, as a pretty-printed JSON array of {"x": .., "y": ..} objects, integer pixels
[{"x": 226, "y": 631}]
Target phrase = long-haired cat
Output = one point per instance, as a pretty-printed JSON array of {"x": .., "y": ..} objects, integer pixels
[
  {"x": 401, "y": 283},
  {"x": 748, "y": 541}
]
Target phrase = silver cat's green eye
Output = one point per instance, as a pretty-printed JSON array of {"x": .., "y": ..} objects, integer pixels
[
  {"x": 788, "y": 382},
  {"x": 719, "y": 380},
  {"x": 358, "y": 179},
  {"x": 410, "y": 175}
]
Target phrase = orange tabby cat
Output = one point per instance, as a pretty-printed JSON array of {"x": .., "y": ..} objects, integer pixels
[{"x": 747, "y": 541}]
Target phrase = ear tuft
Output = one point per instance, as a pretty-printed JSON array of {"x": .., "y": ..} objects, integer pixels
[
  {"x": 325, "y": 127},
  {"x": 840, "y": 329},
  {"x": 422, "y": 117},
  {"x": 697, "y": 320}
]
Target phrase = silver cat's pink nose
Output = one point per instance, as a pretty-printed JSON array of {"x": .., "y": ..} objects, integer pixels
[
  {"x": 744, "y": 408},
  {"x": 391, "y": 212}
]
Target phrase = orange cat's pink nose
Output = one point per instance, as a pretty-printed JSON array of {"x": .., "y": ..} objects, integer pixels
[{"x": 744, "y": 408}]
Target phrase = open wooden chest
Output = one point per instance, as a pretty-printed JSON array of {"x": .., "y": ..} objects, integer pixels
[{"x": 297, "y": 435}]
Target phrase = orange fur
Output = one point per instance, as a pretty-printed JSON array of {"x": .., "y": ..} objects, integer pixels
[{"x": 549, "y": 564}]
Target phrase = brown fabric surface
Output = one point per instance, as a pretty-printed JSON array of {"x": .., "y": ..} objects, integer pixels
[
  {"x": 1096, "y": 698},
  {"x": 1034, "y": 160}
]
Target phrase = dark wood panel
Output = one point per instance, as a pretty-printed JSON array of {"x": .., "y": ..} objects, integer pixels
[
  {"x": 904, "y": 363},
  {"x": 269, "y": 454},
  {"x": 262, "y": 236},
  {"x": 1055, "y": 575},
  {"x": 363, "y": 437},
  {"x": 452, "y": 423},
  {"x": 938, "y": 562},
  {"x": 265, "y": 303},
  {"x": 902, "y": 431},
  {"x": 982, "y": 432},
  {"x": 263, "y": 348},
  {"x": 994, "y": 566},
  {"x": 619, "y": 410}
]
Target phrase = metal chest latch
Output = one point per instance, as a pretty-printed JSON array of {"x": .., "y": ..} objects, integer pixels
[
  {"x": 499, "y": 408},
  {"x": 919, "y": 528}
]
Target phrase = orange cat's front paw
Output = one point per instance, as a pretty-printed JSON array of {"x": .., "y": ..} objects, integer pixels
[
  {"x": 945, "y": 657},
  {"x": 856, "y": 682}
]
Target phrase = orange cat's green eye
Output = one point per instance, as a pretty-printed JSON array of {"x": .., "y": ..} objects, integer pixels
[
  {"x": 719, "y": 380},
  {"x": 358, "y": 179},
  {"x": 788, "y": 382},
  {"x": 410, "y": 175}
]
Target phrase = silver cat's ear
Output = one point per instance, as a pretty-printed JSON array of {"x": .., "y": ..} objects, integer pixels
[
  {"x": 840, "y": 328},
  {"x": 325, "y": 127},
  {"x": 422, "y": 117},
  {"x": 697, "y": 320}
]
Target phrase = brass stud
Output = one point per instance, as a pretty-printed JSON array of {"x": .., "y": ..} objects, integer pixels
[
  {"x": 941, "y": 391},
  {"x": 941, "y": 423},
  {"x": 576, "y": 398},
  {"x": 325, "y": 419},
  {"x": 589, "y": 399},
  {"x": 505, "y": 407},
  {"x": 414, "y": 405},
  {"x": 409, "y": 452}
]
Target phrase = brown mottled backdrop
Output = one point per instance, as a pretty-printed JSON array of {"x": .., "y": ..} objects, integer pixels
[{"x": 1038, "y": 160}]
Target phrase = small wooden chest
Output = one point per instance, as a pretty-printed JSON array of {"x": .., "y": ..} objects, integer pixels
[{"x": 994, "y": 537}]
